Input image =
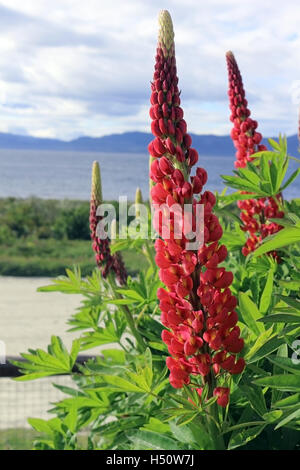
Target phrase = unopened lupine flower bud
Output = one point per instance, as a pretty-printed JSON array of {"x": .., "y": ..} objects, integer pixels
[
  {"x": 105, "y": 261},
  {"x": 138, "y": 201}
]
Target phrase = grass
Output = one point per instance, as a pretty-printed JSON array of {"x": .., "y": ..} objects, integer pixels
[
  {"x": 43, "y": 237},
  {"x": 50, "y": 257},
  {"x": 17, "y": 439}
]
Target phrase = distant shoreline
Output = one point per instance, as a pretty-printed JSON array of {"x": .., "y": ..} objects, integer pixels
[{"x": 127, "y": 142}]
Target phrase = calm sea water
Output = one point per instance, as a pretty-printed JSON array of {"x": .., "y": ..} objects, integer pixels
[{"x": 61, "y": 175}]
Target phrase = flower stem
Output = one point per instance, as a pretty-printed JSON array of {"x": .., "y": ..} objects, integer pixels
[{"x": 129, "y": 318}]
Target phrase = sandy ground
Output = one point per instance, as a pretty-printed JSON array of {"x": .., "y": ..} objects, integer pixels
[{"x": 27, "y": 320}]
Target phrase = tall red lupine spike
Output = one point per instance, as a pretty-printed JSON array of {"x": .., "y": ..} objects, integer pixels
[
  {"x": 197, "y": 307},
  {"x": 247, "y": 141},
  {"x": 244, "y": 135}
]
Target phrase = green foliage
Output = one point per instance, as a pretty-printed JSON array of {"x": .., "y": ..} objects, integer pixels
[
  {"x": 122, "y": 399},
  {"x": 264, "y": 176},
  {"x": 55, "y": 361}
]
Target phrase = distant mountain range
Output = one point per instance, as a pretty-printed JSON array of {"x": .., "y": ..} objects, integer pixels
[{"x": 129, "y": 142}]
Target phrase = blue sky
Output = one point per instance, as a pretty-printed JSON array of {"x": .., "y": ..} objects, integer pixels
[{"x": 71, "y": 68}]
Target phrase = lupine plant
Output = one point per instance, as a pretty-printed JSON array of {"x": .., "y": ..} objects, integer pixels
[
  {"x": 200, "y": 350},
  {"x": 197, "y": 308}
]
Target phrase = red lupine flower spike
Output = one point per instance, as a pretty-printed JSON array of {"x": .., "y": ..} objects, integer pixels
[
  {"x": 198, "y": 307},
  {"x": 247, "y": 141}
]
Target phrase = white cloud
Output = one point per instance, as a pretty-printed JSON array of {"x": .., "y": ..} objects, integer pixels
[{"x": 73, "y": 68}]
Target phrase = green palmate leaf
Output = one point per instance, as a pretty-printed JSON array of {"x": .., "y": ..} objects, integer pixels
[
  {"x": 201, "y": 437},
  {"x": 86, "y": 318},
  {"x": 243, "y": 184},
  {"x": 282, "y": 351},
  {"x": 56, "y": 361},
  {"x": 274, "y": 144},
  {"x": 266, "y": 187},
  {"x": 256, "y": 398},
  {"x": 285, "y": 363},
  {"x": 270, "y": 346},
  {"x": 259, "y": 342},
  {"x": 147, "y": 368},
  {"x": 234, "y": 197},
  {"x": 273, "y": 176},
  {"x": 264, "y": 175},
  {"x": 74, "y": 392},
  {"x": 156, "y": 390},
  {"x": 183, "y": 401},
  {"x": 291, "y": 285},
  {"x": 242, "y": 423},
  {"x": 265, "y": 170},
  {"x": 264, "y": 346},
  {"x": 156, "y": 425},
  {"x": 70, "y": 404},
  {"x": 192, "y": 395},
  {"x": 282, "y": 167},
  {"x": 289, "y": 416},
  {"x": 249, "y": 175},
  {"x": 285, "y": 222},
  {"x": 236, "y": 242},
  {"x": 131, "y": 294},
  {"x": 141, "y": 381},
  {"x": 71, "y": 419},
  {"x": 291, "y": 301},
  {"x": 182, "y": 433},
  {"x": 149, "y": 440},
  {"x": 245, "y": 435},
  {"x": 74, "y": 351},
  {"x": 158, "y": 346},
  {"x": 120, "y": 245},
  {"x": 173, "y": 413},
  {"x": 226, "y": 213},
  {"x": 273, "y": 416},
  {"x": 290, "y": 310},
  {"x": 119, "y": 425},
  {"x": 115, "y": 383},
  {"x": 267, "y": 293},
  {"x": 73, "y": 284},
  {"x": 286, "y": 382},
  {"x": 111, "y": 333},
  {"x": 266, "y": 153},
  {"x": 285, "y": 237},
  {"x": 250, "y": 313},
  {"x": 114, "y": 356},
  {"x": 46, "y": 427},
  {"x": 290, "y": 179},
  {"x": 281, "y": 318},
  {"x": 69, "y": 284},
  {"x": 119, "y": 301},
  {"x": 288, "y": 402},
  {"x": 187, "y": 419}
]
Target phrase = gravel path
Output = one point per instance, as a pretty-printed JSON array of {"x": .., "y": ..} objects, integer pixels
[{"x": 28, "y": 318}]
